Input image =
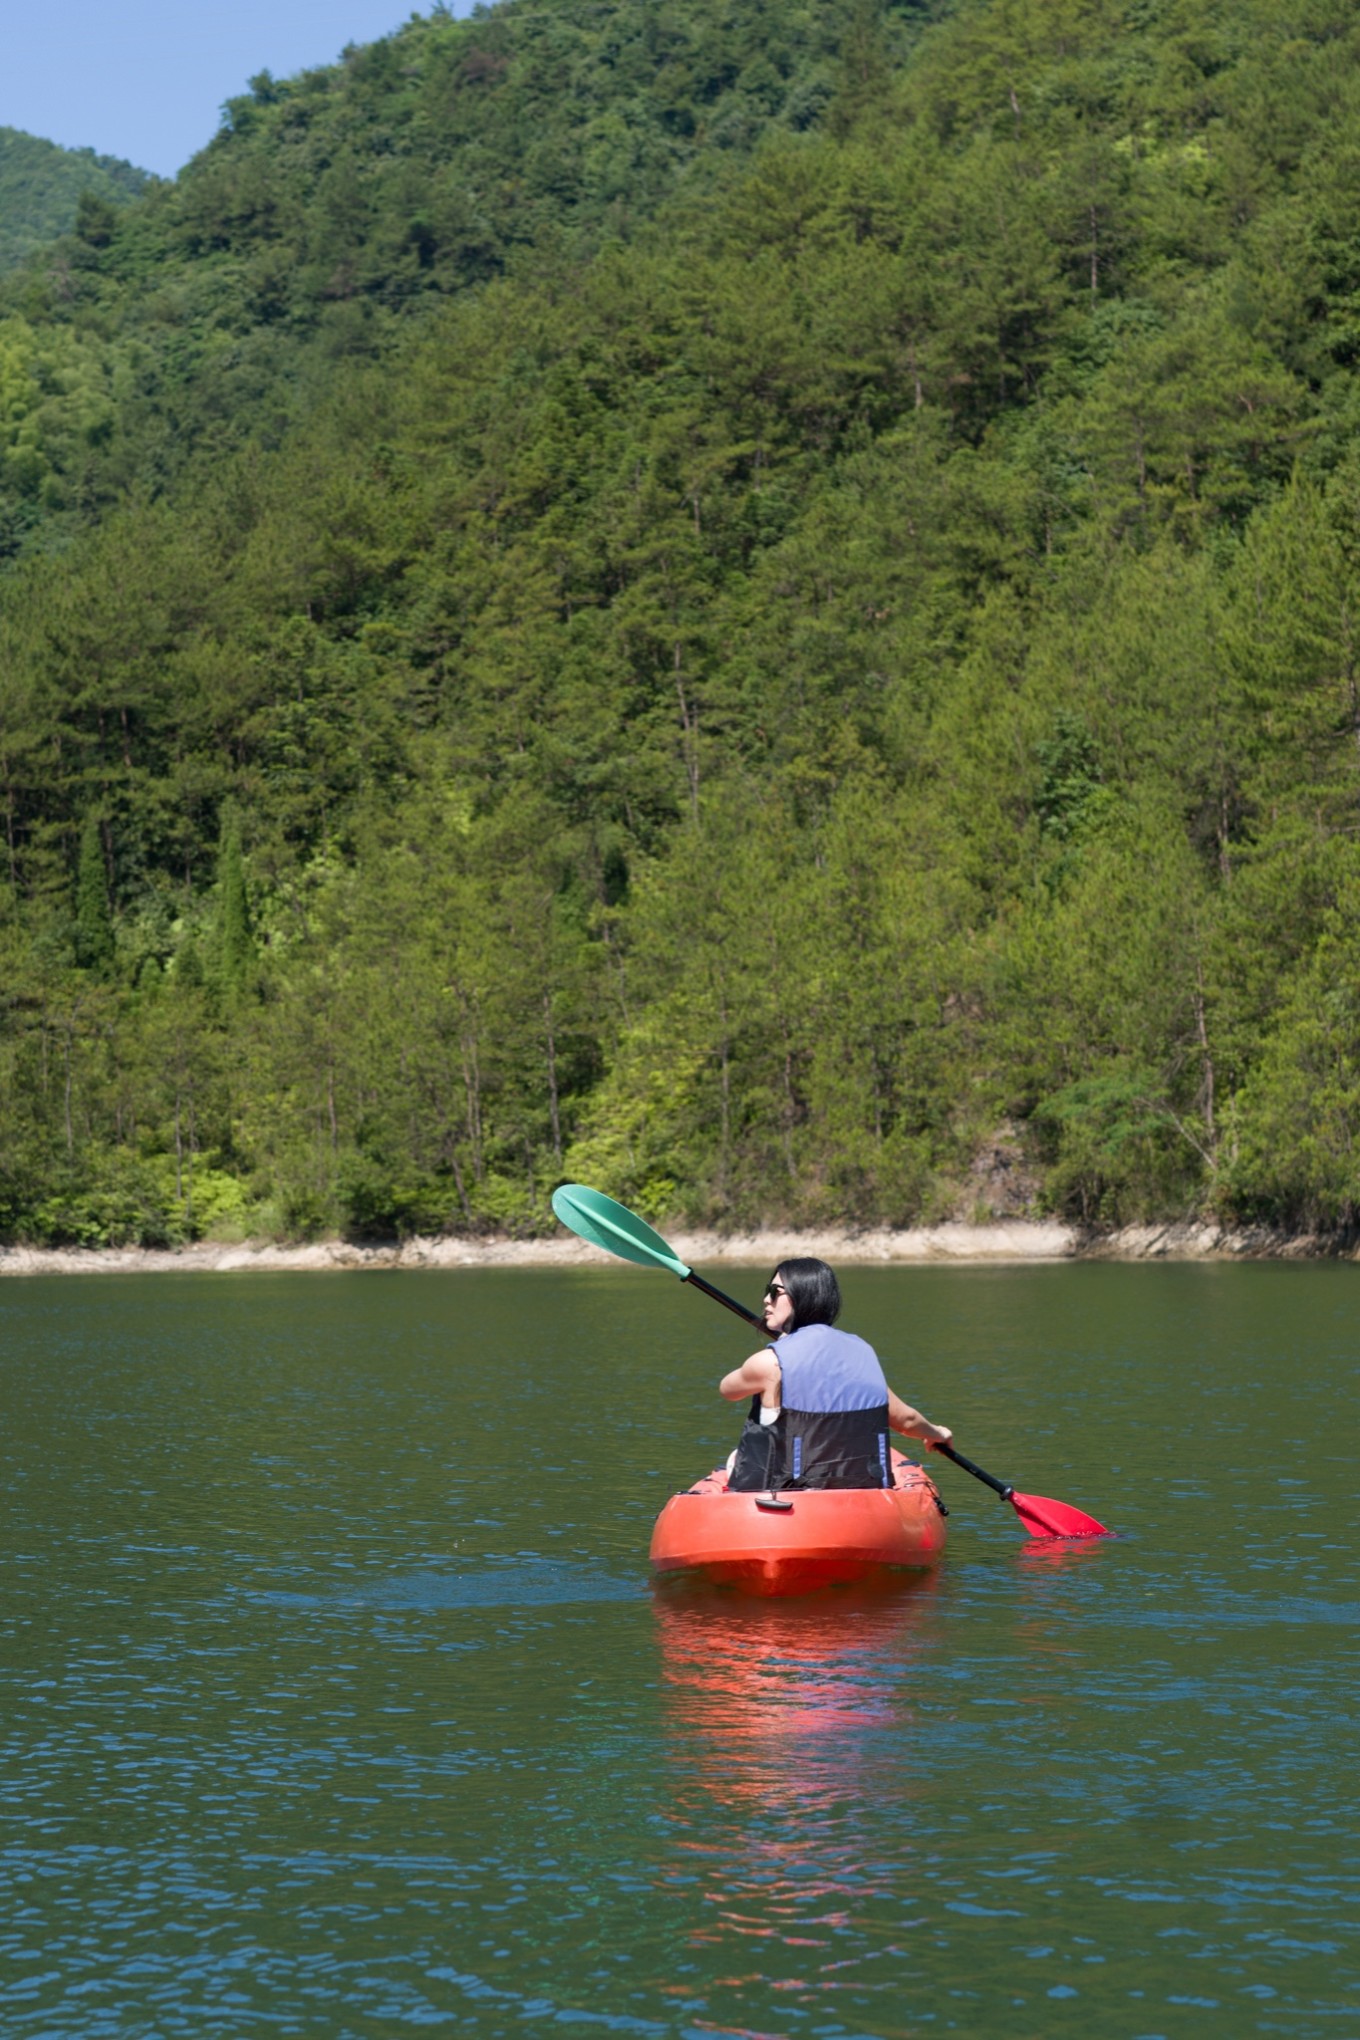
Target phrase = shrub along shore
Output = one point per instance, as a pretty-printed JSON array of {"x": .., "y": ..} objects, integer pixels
[{"x": 1022, "y": 1241}]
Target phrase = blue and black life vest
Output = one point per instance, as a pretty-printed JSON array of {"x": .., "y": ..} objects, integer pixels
[{"x": 832, "y": 1428}]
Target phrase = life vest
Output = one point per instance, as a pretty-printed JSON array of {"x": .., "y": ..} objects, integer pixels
[{"x": 832, "y": 1428}]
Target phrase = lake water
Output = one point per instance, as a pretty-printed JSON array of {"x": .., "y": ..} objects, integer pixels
[{"x": 335, "y": 1700}]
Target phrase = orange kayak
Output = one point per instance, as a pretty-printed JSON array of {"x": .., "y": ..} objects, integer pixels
[{"x": 791, "y": 1542}]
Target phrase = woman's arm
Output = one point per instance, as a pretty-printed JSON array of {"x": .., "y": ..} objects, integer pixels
[
  {"x": 757, "y": 1376},
  {"x": 902, "y": 1417}
]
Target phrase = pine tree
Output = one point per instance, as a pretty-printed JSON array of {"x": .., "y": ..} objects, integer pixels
[
  {"x": 236, "y": 945},
  {"x": 94, "y": 924}
]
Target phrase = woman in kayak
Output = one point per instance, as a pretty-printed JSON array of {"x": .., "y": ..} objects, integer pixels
[{"x": 821, "y": 1409}]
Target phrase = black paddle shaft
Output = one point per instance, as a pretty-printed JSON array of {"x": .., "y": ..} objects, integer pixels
[
  {"x": 728, "y": 1302},
  {"x": 999, "y": 1487}
]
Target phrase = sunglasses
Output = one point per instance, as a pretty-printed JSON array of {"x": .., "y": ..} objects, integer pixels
[{"x": 776, "y": 1289}]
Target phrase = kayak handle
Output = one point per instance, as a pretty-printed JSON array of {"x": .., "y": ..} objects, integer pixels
[{"x": 1004, "y": 1488}]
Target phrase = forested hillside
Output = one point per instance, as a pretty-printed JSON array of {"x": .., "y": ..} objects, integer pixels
[
  {"x": 335, "y": 210},
  {"x": 755, "y": 604},
  {"x": 42, "y": 186}
]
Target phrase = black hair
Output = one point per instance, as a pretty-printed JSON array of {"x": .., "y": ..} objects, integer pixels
[{"x": 813, "y": 1291}]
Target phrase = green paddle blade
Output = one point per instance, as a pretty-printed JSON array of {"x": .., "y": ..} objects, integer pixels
[{"x": 597, "y": 1218}]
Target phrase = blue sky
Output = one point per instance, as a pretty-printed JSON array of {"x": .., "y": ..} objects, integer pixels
[{"x": 144, "y": 79}]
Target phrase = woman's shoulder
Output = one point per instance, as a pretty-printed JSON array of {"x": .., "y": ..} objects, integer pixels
[{"x": 807, "y": 1337}]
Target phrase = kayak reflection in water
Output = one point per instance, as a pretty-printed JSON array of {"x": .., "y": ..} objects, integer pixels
[{"x": 821, "y": 1409}]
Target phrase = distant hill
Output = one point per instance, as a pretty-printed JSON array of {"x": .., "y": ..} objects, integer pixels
[
  {"x": 41, "y": 186},
  {"x": 335, "y": 210},
  {"x": 755, "y": 605}
]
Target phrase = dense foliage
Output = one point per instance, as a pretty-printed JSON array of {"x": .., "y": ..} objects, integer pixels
[
  {"x": 334, "y": 210},
  {"x": 754, "y": 604},
  {"x": 43, "y": 188}
]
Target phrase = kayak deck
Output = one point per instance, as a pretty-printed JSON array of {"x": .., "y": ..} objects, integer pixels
[{"x": 800, "y": 1539}]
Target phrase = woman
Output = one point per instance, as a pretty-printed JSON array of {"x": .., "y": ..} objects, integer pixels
[{"x": 820, "y": 1407}]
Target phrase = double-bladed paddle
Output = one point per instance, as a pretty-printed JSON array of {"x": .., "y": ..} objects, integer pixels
[{"x": 593, "y": 1216}]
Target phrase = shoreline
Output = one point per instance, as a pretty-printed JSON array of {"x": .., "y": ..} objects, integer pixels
[{"x": 1019, "y": 1241}]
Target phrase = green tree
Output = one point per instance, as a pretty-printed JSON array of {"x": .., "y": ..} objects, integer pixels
[
  {"x": 94, "y": 922},
  {"x": 235, "y": 940}
]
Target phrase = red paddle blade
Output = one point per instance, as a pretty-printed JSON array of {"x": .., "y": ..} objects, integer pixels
[{"x": 1047, "y": 1518}]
